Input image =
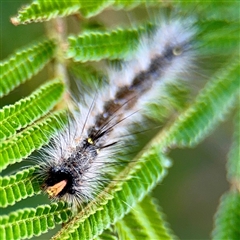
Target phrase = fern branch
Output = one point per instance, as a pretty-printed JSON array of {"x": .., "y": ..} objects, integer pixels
[
  {"x": 143, "y": 222},
  {"x": 225, "y": 37},
  {"x": 233, "y": 165},
  {"x": 211, "y": 9},
  {"x": 123, "y": 4},
  {"x": 88, "y": 74},
  {"x": 227, "y": 219},
  {"x": 174, "y": 98},
  {"x": 24, "y": 64},
  {"x": 40, "y": 11},
  {"x": 215, "y": 101},
  {"x": 44, "y": 10},
  {"x": 119, "y": 197},
  {"x": 32, "y": 138},
  {"x": 28, "y": 222},
  {"x": 27, "y": 110},
  {"x": 94, "y": 46},
  {"x": 108, "y": 234},
  {"x": 17, "y": 187}
]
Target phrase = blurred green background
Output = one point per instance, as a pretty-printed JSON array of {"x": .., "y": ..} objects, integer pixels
[{"x": 189, "y": 195}]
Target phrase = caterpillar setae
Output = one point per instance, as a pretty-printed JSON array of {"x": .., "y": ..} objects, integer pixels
[{"x": 77, "y": 162}]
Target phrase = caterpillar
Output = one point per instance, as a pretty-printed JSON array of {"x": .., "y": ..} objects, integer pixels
[{"x": 77, "y": 163}]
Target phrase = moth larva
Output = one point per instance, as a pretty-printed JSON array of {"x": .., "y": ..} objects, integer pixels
[{"x": 76, "y": 164}]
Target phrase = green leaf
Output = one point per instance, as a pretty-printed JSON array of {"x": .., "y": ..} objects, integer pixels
[
  {"x": 41, "y": 10},
  {"x": 44, "y": 10},
  {"x": 129, "y": 4},
  {"x": 116, "y": 44},
  {"x": 27, "y": 110},
  {"x": 16, "y": 187},
  {"x": 108, "y": 234},
  {"x": 32, "y": 138},
  {"x": 24, "y": 64},
  {"x": 224, "y": 40},
  {"x": 145, "y": 221},
  {"x": 92, "y": 7},
  {"x": 87, "y": 74},
  {"x": 174, "y": 98},
  {"x": 119, "y": 197},
  {"x": 227, "y": 218},
  {"x": 233, "y": 165},
  {"x": 211, "y": 9},
  {"x": 28, "y": 222},
  {"x": 210, "y": 107}
]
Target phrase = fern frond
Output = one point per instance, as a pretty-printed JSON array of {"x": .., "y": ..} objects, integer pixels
[
  {"x": 44, "y": 10},
  {"x": 143, "y": 222},
  {"x": 91, "y": 8},
  {"x": 27, "y": 110},
  {"x": 119, "y": 197},
  {"x": 94, "y": 46},
  {"x": 225, "y": 38},
  {"x": 88, "y": 75},
  {"x": 108, "y": 234},
  {"x": 32, "y": 138},
  {"x": 24, "y": 64},
  {"x": 233, "y": 164},
  {"x": 210, "y": 107},
  {"x": 211, "y": 9},
  {"x": 17, "y": 187},
  {"x": 28, "y": 222},
  {"x": 123, "y": 4},
  {"x": 227, "y": 219},
  {"x": 40, "y": 10},
  {"x": 174, "y": 98}
]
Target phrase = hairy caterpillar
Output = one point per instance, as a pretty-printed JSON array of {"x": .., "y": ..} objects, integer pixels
[{"x": 77, "y": 163}]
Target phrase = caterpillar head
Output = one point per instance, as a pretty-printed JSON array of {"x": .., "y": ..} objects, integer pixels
[{"x": 71, "y": 177}]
